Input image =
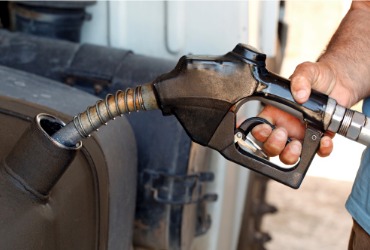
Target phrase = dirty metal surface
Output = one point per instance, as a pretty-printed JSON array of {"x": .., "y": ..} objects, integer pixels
[{"x": 92, "y": 205}]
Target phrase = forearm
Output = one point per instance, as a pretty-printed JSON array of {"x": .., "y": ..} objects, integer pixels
[{"x": 348, "y": 52}]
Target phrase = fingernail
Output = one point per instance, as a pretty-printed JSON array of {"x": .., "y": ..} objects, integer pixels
[
  {"x": 265, "y": 130},
  {"x": 325, "y": 143},
  {"x": 281, "y": 134},
  {"x": 296, "y": 148},
  {"x": 301, "y": 94}
]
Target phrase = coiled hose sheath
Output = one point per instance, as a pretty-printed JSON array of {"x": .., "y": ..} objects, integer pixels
[{"x": 122, "y": 102}]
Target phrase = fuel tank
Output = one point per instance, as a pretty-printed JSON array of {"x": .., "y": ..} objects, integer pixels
[
  {"x": 171, "y": 201},
  {"x": 54, "y": 198}
]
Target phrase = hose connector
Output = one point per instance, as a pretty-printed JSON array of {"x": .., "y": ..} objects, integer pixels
[{"x": 350, "y": 124}]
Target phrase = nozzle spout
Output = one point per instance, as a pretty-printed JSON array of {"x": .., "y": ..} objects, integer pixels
[{"x": 83, "y": 124}]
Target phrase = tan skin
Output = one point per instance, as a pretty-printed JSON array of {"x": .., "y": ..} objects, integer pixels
[{"x": 342, "y": 72}]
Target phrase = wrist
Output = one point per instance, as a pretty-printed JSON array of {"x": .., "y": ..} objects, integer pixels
[{"x": 340, "y": 84}]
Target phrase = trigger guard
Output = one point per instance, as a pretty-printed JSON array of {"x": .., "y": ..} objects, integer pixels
[
  {"x": 247, "y": 126},
  {"x": 223, "y": 141}
]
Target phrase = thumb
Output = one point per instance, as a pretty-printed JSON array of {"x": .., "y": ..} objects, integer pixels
[{"x": 308, "y": 75}]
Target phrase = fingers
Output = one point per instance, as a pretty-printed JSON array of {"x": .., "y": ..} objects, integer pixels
[
  {"x": 279, "y": 118},
  {"x": 301, "y": 81},
  {"x": 274, "y": 144},
  {"x": 291, "y": 152},
  {"x": 318, "y": 76},
  {"x": 326, "y": 146},
  {"x": 261, "y": 132}
]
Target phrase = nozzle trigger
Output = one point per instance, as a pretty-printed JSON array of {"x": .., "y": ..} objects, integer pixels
[{"x": 245, "y": 143}]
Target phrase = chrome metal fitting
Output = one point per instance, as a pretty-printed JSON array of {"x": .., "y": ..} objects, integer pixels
[
  {"x": 329, "y": 113},
  {"x": 336, "y": 118},
  {"x": 352, "y": 124},
  {"x": 364, "y": 137},
  {"x": 349, "y": 123},
  {"x": 357, "y": 123}
]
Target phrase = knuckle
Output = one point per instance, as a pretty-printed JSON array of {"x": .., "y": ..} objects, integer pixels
[
  {"x": 304, "y": 68},
  {"x": 275, "y": 143},
  {"x": 291, "y": 153}
]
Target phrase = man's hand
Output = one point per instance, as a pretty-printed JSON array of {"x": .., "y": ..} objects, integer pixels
[
  {"x": 306, "y": 76},
  {"x": 342, "y": 72}
]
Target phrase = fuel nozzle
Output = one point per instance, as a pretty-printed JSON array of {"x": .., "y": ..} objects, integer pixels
[
  {"x": 205, "y": 94},
  {"x": 349, "y": 123}
]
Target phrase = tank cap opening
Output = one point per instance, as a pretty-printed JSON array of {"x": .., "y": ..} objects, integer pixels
[{"x": 50, "y": 126}]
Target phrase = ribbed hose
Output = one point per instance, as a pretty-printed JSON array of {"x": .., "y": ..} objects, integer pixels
[{"x": 122, "y": 102}]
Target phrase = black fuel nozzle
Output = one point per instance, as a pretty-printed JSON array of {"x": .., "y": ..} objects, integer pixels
[{"x": 205, "y": 94}]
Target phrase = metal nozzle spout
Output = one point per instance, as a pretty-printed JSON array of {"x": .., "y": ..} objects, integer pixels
[{"x": 83, "y": 124}]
